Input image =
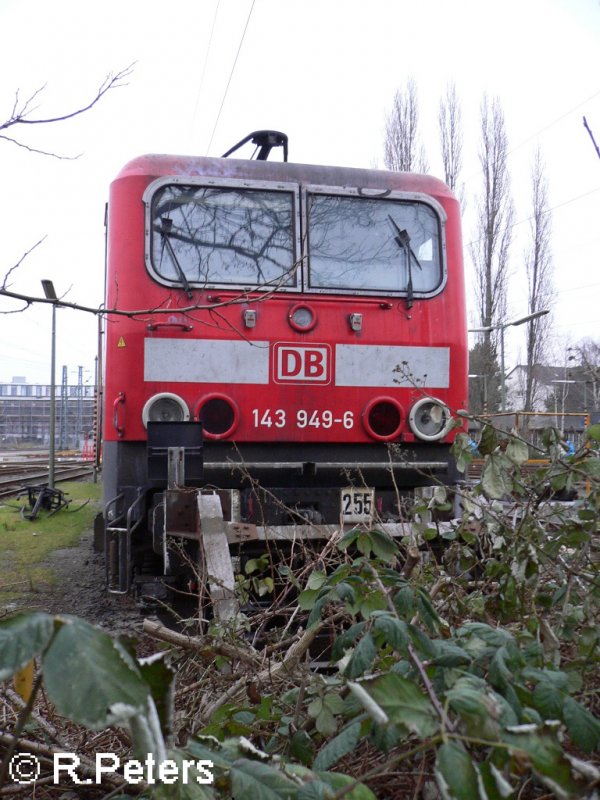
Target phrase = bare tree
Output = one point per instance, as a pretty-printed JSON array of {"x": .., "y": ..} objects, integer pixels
[
  {"x": 402, "y": 149},
  {"x": 585, "y": 371},
  {"x": 21, "y": 115},
  {"x": 484, "y": 391},
  {"x": 451, "y": 138},
  {"x": 540, "y": 289},
  {"x": 490, "y": 251}
]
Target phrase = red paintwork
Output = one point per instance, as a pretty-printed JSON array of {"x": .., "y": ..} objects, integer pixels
[{"x": 437, "y": 321}]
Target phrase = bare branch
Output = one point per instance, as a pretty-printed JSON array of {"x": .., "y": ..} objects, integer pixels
[
  {"x": 17, "y": 310},
  {"x": 203, "y": 647},
  {"x": 25, "y": 109},
  {"x": 37, "y": 150},
  {"x": 5, "y": 283},
  {"x": 20, "y": 115},
  {"x": 589, "y": 130},
  {"x": 21, "y": 112},
  {"x": 142, "y": 315}
]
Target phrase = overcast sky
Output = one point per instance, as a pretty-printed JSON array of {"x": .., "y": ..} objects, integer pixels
[{"x": 324, "y": 72}]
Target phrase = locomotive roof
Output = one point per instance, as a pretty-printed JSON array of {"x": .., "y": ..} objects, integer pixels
[{"x": 196, "y": 167}]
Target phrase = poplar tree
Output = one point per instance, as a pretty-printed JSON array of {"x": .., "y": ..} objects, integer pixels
[
  {"x": 490, "y": 250},
  {"x": 540, "y": 289},
  {"x": 451, "y": 139},
  {"x": 402, "y": 149}
]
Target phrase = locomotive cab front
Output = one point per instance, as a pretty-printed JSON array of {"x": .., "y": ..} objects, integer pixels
[{"x": 299, "y": 331}]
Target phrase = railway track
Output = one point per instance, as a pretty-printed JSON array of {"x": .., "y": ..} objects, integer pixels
[{"x": 17, "y": 475}]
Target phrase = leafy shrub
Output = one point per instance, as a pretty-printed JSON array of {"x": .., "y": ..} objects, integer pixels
[{"x": 472, "y": 665}]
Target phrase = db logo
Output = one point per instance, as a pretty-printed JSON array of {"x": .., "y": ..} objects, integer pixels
[{"x": 300, "y": 363}]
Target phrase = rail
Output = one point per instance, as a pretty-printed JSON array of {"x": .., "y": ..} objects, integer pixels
[{"x": 16, "y": 475}]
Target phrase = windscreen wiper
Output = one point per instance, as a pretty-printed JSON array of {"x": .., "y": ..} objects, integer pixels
[
  {"x": 166, "y": 227},
  {"x": 403, "y": 241}
]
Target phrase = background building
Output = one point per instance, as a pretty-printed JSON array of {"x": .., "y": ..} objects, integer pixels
[
  {"x": 558, "y": 389},
  {"x": 25, "y": 414}
]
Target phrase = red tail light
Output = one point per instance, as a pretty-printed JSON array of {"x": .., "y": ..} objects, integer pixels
[
  {"x": 383, "y": 418},
  {"x": 219, "y": 416}
]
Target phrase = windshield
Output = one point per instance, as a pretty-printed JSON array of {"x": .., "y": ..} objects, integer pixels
[
  {"x": 222, "y": 235},
  {"x": 373, "y": 244},
  {"x": 249, "y": 237}
]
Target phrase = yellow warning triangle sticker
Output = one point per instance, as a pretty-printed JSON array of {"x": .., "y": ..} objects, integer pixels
[{"x": 121, "y": 342}]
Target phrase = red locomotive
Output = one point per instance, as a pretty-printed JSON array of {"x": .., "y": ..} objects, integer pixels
[{"x": 295, "y": 334}]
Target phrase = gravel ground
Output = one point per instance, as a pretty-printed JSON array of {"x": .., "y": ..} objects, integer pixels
[{"x": 79, "y": 589}]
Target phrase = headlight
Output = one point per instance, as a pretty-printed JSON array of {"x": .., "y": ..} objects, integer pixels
[
  {"x": 430, "y": 419},
  {"x": 165, "y": 407},
  {"x": 302, "y": 317}
]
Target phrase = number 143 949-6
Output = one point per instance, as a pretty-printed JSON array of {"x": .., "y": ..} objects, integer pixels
[{"x": 279, "y": 418}]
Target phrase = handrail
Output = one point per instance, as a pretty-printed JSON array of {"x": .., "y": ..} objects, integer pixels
[
  {"x": 119, "y": 400},
  {"x": 153, "y": 326}
]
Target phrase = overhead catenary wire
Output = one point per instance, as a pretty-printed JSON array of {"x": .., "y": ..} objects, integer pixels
[
  {"x": 557, "y": 205},
  {"x": 547, "y": 211},
  {"x": 536, "y": 134},
  {"x": 580, "y": 288},
  {"x": 230, "y": 77},
  {"x": 553, "y": 122},
  {"x": 202, "y": 76}
]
